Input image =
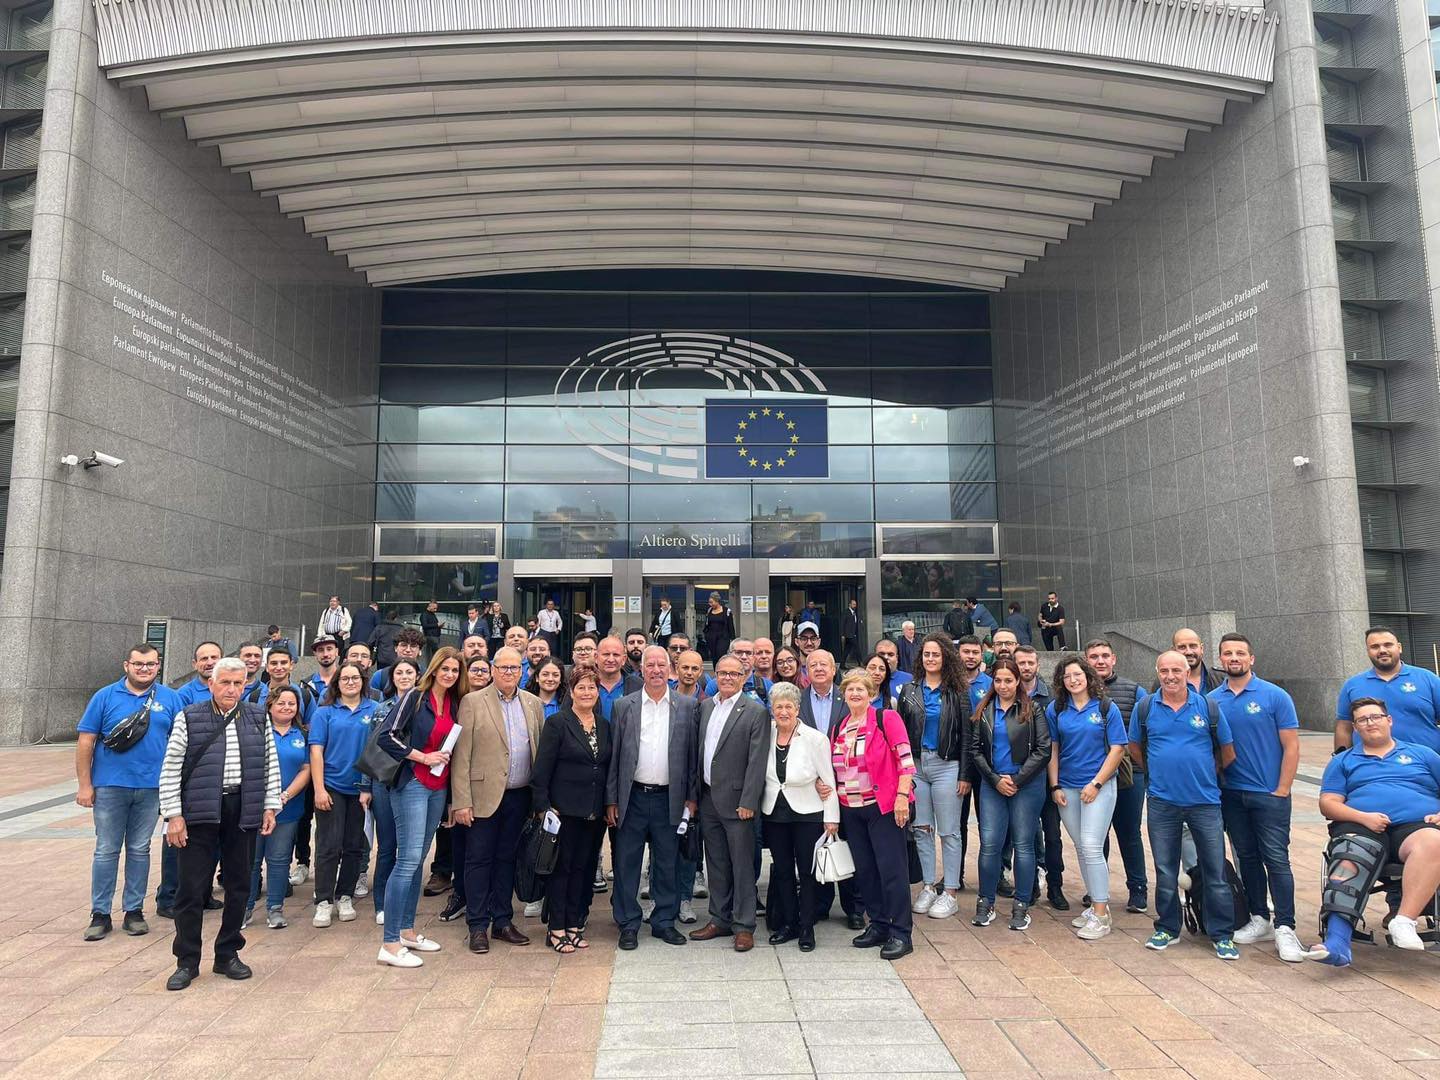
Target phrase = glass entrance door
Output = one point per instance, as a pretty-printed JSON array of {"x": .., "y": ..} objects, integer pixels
[
  {"x": 826, "y": 598},
  {"x": 572, "y": 599},
  {"x": 690, "y": 602}
]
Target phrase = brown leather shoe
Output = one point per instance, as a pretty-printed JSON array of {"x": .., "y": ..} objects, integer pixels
[
  {"x": 479, "y": 942},
  {"x": 709, "y": 932},
  {"x": 510, "y": 935},
  {"x": 744, "y": 941}
]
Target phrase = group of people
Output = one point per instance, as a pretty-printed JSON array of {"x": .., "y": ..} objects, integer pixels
[{"x": 634, "y": 741}]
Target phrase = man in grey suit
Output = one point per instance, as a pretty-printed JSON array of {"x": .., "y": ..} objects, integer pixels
[
  {"x": 734, "y": 733},
  {"x": 822, "y": 707},
  {"x": 652, "y": 788}
]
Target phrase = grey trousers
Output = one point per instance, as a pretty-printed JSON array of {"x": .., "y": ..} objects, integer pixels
[{"x": 729, "y": 866}]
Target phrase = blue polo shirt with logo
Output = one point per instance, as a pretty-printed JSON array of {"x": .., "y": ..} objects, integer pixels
[
  {"x": 1403, "y": 784},
  {"x": 138, "y": 767},
  {"x": 293, "y": 755},
  {"x": 1256, "y": 716},
  {"x": 1179, "y": 757},
  {"x": 341, "y": 733},
  {"x": 1084, "y": 737},
  {"x": 1412, "y": 698},
  {"x": 196, "y": 690},
  {"x": 608, "y": 698},
  {"x": 979, "y": 687}
]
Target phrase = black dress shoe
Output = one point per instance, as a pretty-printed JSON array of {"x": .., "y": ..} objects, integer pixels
[
  {"x": 165, "y": 911},
  {"x": 509, "y": 934},
  {"x": 807, "y": 940},
  {"x": 670, "y": 936},
  {"x": 234, "y": 968},
  {"x": 872, "y": 938},
  {"x": 182, "y": 978},
  {"x": 479, "y": 941},
  {"x": 453, "y": 909},
  {"x": 1058, "y": 901},
  {"x": 895, "y": 948},
  {"x": 783, "y": 935},
  {"x": 855, "y": 921},
  {"x": 629, "y": 939},
  {"x": 211, "y": 904}
]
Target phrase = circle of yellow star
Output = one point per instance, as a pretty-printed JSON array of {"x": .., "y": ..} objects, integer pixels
[
  {"x": 753, "y": 415},
  {"x": 756, "y": 461},
  {"x": 794, "y": 438}
]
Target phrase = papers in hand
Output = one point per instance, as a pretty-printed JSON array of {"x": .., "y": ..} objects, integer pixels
[
  {"x": 448, "y": 746},
  {"x": 552, "y": 822}
]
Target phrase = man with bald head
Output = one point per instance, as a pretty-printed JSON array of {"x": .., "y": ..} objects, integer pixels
[
  {"x": 1183, "y": 739},
  {"x": 1188, "y": 644}
]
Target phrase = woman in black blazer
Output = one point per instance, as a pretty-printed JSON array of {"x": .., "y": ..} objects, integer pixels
[{"x": 571, "y": 767}]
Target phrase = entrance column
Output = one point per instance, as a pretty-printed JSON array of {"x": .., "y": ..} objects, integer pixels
[
  {"x": 754, "y": 581},
  {"x": 874, "y": 620}
]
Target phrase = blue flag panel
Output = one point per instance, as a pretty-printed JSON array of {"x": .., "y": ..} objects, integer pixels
[{"x": 769, "y": 438}]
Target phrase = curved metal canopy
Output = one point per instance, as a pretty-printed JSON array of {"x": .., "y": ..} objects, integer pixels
[{"x": 934, "y": 141}]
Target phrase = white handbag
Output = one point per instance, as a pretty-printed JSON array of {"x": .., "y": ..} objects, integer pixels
[{"x": 833, "y": 862}]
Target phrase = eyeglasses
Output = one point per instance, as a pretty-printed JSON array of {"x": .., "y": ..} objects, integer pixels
[
  {"x": 350, "y": 678},
  {"x": 1374, "y": 718},
  {"x": 728, "y": 674},
  {"x": 506, "y": 667},
  {"x": 787, "y": 660},
  {"x": 143, "y": 664}
]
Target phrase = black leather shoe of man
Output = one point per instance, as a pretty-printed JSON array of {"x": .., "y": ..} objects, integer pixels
[
  {"x": 872, "y": 938},
  {"x": 164, "y": 912},
  {"x": 1058, "y": 901},
  {"x": 234, "y": 968},
  {"x": 509, "y": 935},
  {"x": 453, "y": 909},
  {"x": 212, "y": 904},
  {"x": 629, "y": 939},
  {"x": 807, "y": 940},
  {"x": 895, "y": 948},
  {"x": 182, "y": 978},
  {"x": 855, "y": 921},
  {"x": 670, "y": 936},
  {"x": 783, "y": 935},
  {"x": 479, "y": 941}
]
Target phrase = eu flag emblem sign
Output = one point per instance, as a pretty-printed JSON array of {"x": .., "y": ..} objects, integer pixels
[{"x": 769, "y": 438}]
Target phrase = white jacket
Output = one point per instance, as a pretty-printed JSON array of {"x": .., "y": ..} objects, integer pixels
[
  {"x": 344, "y": 621},
  {"x": 809, "y": 759}
]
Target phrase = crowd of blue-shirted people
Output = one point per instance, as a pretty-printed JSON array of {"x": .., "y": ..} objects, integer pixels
[{"x": 265, "y": 776}]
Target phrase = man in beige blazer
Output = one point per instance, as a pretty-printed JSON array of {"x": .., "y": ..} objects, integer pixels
[{"x": 490, "y": 795}]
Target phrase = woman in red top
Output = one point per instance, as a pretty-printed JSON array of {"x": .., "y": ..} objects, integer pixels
[{"x": 413, "y": 733}]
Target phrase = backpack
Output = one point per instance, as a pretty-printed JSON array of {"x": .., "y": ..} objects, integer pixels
[{"x": 1192, "y": 905}]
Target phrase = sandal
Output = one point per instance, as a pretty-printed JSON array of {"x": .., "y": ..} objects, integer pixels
[
  {"x": 578, "y": 937},
  {"x": 564, "y": 944}
]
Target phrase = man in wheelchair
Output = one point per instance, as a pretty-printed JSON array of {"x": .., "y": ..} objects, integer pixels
[{"x": 1383, "y": 802}]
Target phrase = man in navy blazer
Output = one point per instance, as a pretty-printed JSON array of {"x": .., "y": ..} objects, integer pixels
[{"x": 653, "y": 787}]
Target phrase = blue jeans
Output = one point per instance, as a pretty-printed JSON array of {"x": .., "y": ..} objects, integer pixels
[
  {"x": 937, "y": 811},
  {"x": 1165, "y": 821},
  {"x": 274, "y": 851},
  {"x": 1018, "y": 816},
  {"x": 383, "y": 814},
  {"x": 1259, "y": 828},
  {"x": 128, "y": 816},
  {"x": 1088, "y": 824},
  {"x": 417, "y": 812}
]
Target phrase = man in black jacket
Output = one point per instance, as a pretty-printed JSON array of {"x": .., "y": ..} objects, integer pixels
[
  {"x": 958, "y": 623},
  {"x": 430, "y": 627},
  {"x": 382, "y": 641},
  {"x": 851, "y": 635}
]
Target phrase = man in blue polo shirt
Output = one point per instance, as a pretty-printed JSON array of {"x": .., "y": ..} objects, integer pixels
[
  {"x": 614, "y": 683},
  {"x": 1411, "y": 694},
  {"x": 207, "y": 655},
  {"x": 1255, "y": 795},
  {"x": 122, "y": 786},
  {"x": 1175, "y": 736},
  {"x": 972, "y": 659}
]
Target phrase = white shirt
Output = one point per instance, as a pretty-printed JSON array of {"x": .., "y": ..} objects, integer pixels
[
  {"x": 652, "y": 761},
  {"x": 718, "y": 716},
  {"x": 549, "y": 621},
  {"x": 589, "y": 623}
]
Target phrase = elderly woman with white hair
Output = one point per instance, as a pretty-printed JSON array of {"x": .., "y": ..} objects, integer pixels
[{"x": 795, "y": 816}]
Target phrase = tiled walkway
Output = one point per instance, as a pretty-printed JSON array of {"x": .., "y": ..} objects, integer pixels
[{"x": 995, "y": 1004}]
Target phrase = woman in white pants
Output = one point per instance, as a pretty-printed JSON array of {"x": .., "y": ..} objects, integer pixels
[{"x": 1088, "y": 740}]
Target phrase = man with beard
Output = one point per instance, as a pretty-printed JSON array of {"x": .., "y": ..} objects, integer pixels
[
  {"x": 1188, "y": 644},
  {"x": 635, "y": 642},
  {"x": 1411, "y": 694}
]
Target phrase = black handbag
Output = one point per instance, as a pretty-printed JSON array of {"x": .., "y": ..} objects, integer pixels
[
  {"x": 538, "y": 851},
  {"x": 377, "y": 763},
  {"x": 124, "y": 735}
]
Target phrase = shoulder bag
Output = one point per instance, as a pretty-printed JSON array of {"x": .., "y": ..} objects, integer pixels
[
  {"x": 376, "y": 762},
  {"x": 124, "y": 735}
]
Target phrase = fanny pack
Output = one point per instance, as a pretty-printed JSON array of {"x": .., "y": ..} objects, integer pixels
[{"x": 124, "y": 735}]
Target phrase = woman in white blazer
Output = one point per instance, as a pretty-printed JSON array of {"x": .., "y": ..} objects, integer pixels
[{"x": 795, "y": 816}]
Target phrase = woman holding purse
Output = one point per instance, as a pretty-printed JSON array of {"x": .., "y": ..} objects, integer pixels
[
  {"x": 1010, "y": 745},
  {"x": 795, "y": 816},
  {"x": 874, "y": 772}
]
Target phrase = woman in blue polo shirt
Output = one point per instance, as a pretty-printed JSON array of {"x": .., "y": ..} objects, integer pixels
[
  {"x": 547, "y": 683},
  {"x": 283, "y": 709},
  {"x": 338, "y": 732},
  {"x": 1087, "y": 743}
]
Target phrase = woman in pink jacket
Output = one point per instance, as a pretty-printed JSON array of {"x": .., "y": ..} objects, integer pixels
[{"x": 874, "y": 773}]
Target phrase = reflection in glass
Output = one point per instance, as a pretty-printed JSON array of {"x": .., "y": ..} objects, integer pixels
[
  {"x": 921, "y": 425},
  {"x": 813, "y": 540},
  {"x": 437, "y": 462},
  {"x": 959, "y": 464},
  {"x": 937, "y": 540},
  {"x": 565, "y": 502},
  {"x": 563, "y": 540},
  {"x": 410, "y": 582},
  {"x": 935, "y": 502},
  {"x": 438, "y": 502},
  {"x": 939, "y": 579},
  {"x": 399, "y": 542},
  {"x": 547, "y": 464},
  {"x": 690, "y": 502},
  {"x": 813, "y": 502},
  {"x": 442, "y": 423}
]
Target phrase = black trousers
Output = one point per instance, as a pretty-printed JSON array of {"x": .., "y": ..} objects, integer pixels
[
  {"x": 791, "y": 900},
  {"x": 825, "y": 896},
  {"x": 491, "y": 846},
  {"x": 302, "y": 831},
  {"x": 1053, "y": 636},
  {"x": 442, "y": 863},
  {"x": 882, "y": 867},
  {"x": 197, "y": 867},
  {"x": 1054, "y": 859},
  {"x": 458, "y": 835},
  {"x": 572, "y": 882},
  {"x": 341, "y": 850}
]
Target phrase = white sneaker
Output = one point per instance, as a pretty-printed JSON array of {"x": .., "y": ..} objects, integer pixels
[
  {"x": 323, "y": 911},
  {"x": 345, "y": 909},
  {"x": 1257, "y": 929},
  {"x": 1084, "y": 919},
  {"x": 944, "y": 906},
  {"x": 701, "y": 890},
  {"x": 532, "y": 909},
  {"x": 362, "y": 887},
  {"x": 420, "y": 943},
  {"x": 1096, "y": 928},
  {"x": 687, "y": 912},
  {"x": 1287, "y": 945},
  {"x": 924, "y": 901},
  {"x": 379, "y": 918},
  {"x": 1403, "y": 935},
  {"x": 402, "y": 959},
  {"x": 299, "y": 873}
]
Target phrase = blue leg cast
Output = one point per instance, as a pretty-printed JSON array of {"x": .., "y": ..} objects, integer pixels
[{"x": 1336, "y": 948}]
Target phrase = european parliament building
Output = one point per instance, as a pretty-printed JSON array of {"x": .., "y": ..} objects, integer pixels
[{"x": 607, "y": 301}]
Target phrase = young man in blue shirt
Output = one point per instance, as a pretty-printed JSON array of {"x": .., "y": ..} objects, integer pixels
[
  {"x": 1411, "y": 694},
  {"x": 1171, "y": 737},
  {"x": 1255, "y": 795},
  {"x": 1382, "y": 797},
  {"x": 207, "y": 655},
  {"x": 123, "y": 786}
]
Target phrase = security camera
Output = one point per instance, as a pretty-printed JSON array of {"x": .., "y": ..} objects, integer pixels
[
  {"x": 1300, "y": 462},
  {"x": 96, "y": 458}
]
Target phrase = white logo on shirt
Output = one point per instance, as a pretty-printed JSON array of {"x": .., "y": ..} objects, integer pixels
[
  {"x": 298, "y": 742},
  {"x": 1409, "y": 687},
  {"x": 1405, "y": 759},
  {"x": 1254, "y": 708},
  {"x": 1197, "y": 721},
  {"x": 155, "y": 706}
]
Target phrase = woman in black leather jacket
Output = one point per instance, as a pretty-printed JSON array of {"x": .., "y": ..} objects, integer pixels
[
  {"x": 935, "y": 708},
  {"x": 1010, "y": 746}
]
